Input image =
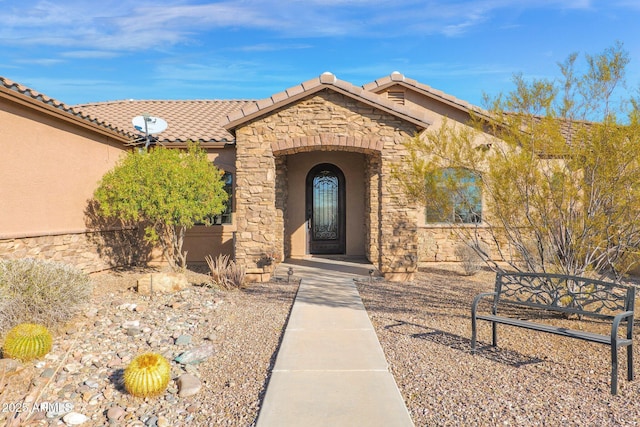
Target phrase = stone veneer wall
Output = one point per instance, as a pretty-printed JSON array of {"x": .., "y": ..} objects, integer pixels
[
  {"x": 438, "y": 244},
  {"x": 282, "y": 195},
  {"x": 326, "y": 120},
  {"x": 87, "y": 251},
  {"x": 398, "y": 220},
  {"x": 257, "y": 238},
  {"x": 373, "y": 189}
]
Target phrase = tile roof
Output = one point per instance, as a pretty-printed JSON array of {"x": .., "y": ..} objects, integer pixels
[
  {"x": 196, "y": 120},
  {"x": 52, "y": 105},
  {"x": 325, "y": 80}
]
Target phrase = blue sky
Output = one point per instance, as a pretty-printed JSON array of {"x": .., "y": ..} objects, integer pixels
[{"x": 81, "y": 51}]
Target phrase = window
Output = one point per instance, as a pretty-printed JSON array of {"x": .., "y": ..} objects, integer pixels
[
  {"x": 457, "y": 197},
  {"x": 225, "y": 217}
]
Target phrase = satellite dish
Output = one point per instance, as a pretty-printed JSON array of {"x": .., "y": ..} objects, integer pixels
[{"x": 149, "y": 124}]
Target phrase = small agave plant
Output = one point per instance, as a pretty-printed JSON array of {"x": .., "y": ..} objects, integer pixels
[
  {"x": 147, "y": 375},
  {"x": 27, "y": 341}
]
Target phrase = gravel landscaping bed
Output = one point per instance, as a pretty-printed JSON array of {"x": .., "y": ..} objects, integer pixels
[
  {"x": 532, "y": 379},
  {"x": 424, "y": 328},
  {"x": 82, "y": 375}
]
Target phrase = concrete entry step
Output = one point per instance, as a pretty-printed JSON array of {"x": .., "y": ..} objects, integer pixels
[{"x": 330, "y": 369}]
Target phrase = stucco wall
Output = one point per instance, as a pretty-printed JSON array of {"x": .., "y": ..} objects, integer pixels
[
  {"x": 48, "y": 171},
  {"x": 49, "y": 168}
]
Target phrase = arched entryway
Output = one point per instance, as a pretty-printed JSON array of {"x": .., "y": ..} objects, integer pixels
[{"x": 325, "y": 210}]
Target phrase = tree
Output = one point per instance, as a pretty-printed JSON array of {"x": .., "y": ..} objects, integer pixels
[
  {"x": 168, "y": 190},
  {"x": 558, "y": 167}
]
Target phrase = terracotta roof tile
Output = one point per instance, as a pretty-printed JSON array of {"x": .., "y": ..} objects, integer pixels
[
  {"x": 196, "y": 120},
  {"x": 325, "y": 80},
  {"x": 21, "y": 90}
]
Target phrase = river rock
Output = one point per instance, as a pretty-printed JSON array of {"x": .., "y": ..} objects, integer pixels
[
  {"x": 115, "y": 413},
  {"x": 188, "y": 385},
  {"x": 74, "y": 419}
]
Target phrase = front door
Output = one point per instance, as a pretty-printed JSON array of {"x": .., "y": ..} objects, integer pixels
[{"x": 325, "y": 201}]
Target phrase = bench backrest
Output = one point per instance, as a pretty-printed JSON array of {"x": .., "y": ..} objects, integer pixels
[{"x": 569, "y": 294}]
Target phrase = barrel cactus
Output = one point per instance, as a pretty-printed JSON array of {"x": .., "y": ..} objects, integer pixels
[
  {"x": 27, "y": 341},
  {"x": 147, "y": 375}
]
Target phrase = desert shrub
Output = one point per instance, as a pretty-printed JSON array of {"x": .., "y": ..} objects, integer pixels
[
  {"x": 37, "y": 291},
  {"x": 225, "y": 273},
  {"x": 469, "y": 258}
]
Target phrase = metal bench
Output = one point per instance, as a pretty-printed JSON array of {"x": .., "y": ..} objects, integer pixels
[{"x": 564, "y": 294}]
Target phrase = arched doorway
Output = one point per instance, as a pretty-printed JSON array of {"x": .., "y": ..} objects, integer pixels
[{"x": 325, "y": 210}]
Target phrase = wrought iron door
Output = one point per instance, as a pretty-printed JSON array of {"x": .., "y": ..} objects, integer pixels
[{"x": 325, "y": 210}]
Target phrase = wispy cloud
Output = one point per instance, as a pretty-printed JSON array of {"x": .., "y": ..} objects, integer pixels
[
  {"x": 45, "y": 62},
  {"x": 128, "y": 25}
]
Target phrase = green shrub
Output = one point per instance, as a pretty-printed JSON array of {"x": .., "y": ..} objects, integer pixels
[{"x": 36, "y": 291}]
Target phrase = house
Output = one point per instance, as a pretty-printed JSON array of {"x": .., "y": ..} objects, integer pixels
[{"x": 309, "y": 171}]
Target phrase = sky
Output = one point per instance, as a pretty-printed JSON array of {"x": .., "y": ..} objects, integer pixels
[{"x": 84, "y": 51}]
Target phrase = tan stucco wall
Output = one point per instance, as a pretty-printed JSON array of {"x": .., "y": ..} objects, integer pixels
[
  {"x": 49, "y": 167},
  {"x": 352, "y": 165},
  {"x": 48, "y": 171}
]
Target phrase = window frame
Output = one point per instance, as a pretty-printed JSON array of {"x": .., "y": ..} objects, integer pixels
[{"x": 458, "y": 214}]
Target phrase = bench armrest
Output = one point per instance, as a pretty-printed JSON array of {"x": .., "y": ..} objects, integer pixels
[
  {"x": 616, "y": 324},
  {"x": 474, "y": 309},
  {"x": 476, "y": 301}
]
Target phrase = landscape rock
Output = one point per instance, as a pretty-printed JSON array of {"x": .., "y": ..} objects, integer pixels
[
  {"x": 183, "y": 340},
  {"x": 196, "y": 355},
  {"x": 188, "y": 385},
  {"x": 10, "y": 365},
  {"x": 115, "y": 413},
  {"x": 74, "y": 419},
  {"x": 163, "y": 283}
]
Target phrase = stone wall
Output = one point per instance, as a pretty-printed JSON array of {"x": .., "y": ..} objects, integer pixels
[
  {"x": 438, "y": 243},
  {"x": 257, "y": 239},
  {"x": 372, "y": 194},
  {"x": 87, "y": 251}
]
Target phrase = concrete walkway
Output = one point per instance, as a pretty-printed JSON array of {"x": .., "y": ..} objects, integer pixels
[{"x": 330, "y": 369}]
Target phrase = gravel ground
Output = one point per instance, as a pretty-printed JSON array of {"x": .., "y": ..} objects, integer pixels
[
  {"x": 83, "y": 372},
  {"x": 533, "y": 379},
  {"x": 423, "y": 326}
]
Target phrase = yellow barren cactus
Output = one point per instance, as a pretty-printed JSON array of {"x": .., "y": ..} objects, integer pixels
[
  {"x": 27, "y": 341},
  {"x": 147, "y": 375}
]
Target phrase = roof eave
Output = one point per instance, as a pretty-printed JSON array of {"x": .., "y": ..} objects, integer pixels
[
  {"x": 62, "y": 114},
  {"x": 325, "y": 81}
]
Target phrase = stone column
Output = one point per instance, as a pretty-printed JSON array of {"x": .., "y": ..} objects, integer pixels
[
  {"x": 398, "y": 220},
  {"x": 257, "y": 243}
]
